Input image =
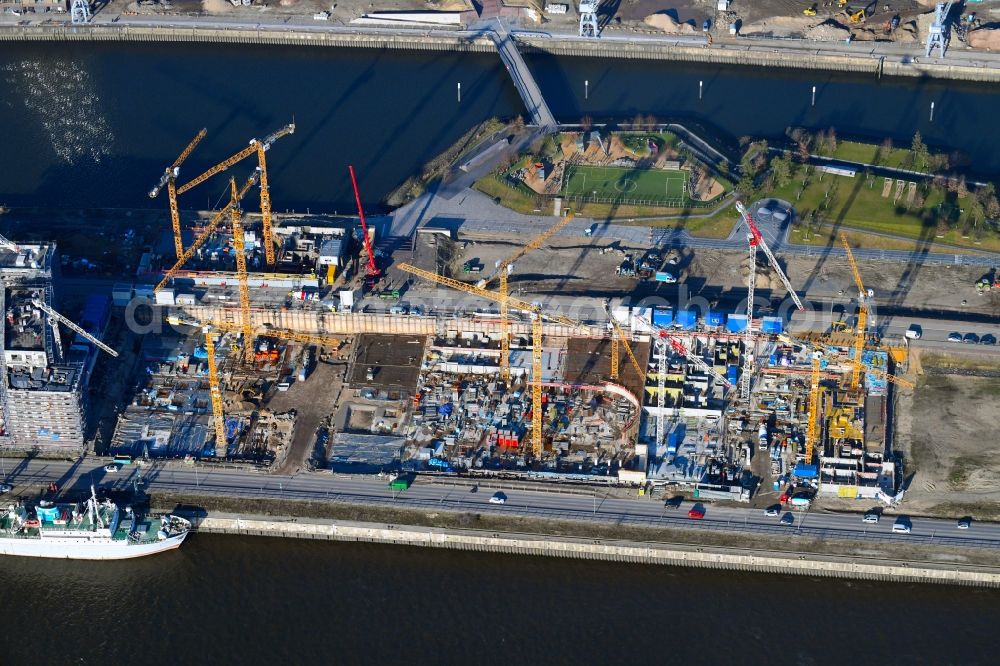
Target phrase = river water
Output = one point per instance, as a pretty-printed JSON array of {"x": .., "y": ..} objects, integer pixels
[
  {"x": 94, "y": 125},
  {"x": 241, "y": 600}
]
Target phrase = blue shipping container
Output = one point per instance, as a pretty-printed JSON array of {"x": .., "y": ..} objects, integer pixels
[
  {"x": 687, "y": 319},
  {"x": 736, "y": 323},
  {"x": 772, "y": 325},
  {"x": 805, "y": 471},
  {"x": 663, "y": 317},
  {"x": 715, "y": 319},
  {"x": 732, "y": 374}
]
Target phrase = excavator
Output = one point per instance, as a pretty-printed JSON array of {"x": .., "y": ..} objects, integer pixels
[
  {"x": 860, "y": 15},
  {"x": 810, "y": 11}
]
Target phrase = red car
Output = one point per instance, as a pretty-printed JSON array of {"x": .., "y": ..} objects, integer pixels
[{"x": 696, "y": 512}]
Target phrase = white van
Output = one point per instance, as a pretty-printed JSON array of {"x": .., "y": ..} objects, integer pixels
[
  {"x": 914, "y": 332},
  {"x": 902, "y": 525}
]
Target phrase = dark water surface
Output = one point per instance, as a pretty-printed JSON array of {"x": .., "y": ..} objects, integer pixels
[
  {"x": 238, "y": 600},
  {"x": 94, "y": 125}
]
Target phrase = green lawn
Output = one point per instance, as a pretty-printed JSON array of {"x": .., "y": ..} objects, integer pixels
[
  {"x": 626, "y": 185},
  {"x": 858, "y": 203},
  {"x": 852, "y": 151}
]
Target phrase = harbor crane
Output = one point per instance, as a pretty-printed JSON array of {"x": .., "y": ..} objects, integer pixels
[
  {"x": 168, "y": 180},
  {"x": 589, "y": 27},
  {"x": 372, "y": 270},
  {"x": 863, "y": 296},
  {"x": 938, "y": 32},
  {"x": 55, "y": 319},
  {"x": 755, "y": 239},
  {"x": 210, "y": 330},
  {"x": 207, "y": 232},
  {"x": 537, "y": 314},
  {"x": 503, "y": 271},
  {"x": 256, "y": 147}
]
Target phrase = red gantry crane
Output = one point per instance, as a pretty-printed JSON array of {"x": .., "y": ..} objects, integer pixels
[{"x": 755, "y": 239}]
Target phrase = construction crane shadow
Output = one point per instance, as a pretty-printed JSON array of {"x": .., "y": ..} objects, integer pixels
[{"x": 915, "y": 261}]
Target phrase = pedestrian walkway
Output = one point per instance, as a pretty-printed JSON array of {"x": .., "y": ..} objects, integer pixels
[{"x": 525, "y": 83}]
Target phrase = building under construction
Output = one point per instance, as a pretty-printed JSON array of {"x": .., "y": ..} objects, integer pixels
[{"x": 45, "y": 376}]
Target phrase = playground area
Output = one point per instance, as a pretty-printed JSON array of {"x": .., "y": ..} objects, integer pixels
[{"x": 626, "y": 185}]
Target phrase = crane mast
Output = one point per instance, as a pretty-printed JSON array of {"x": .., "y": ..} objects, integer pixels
[
  {"x": 373, "y": 270},
  {"x": 758, "y": 238},
  {"x": 168, "y": 180},
  {"x": 859, "y": 332},
  {"x": 241, "y": 271}
]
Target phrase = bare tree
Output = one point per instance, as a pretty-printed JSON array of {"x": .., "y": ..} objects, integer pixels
[{"x": 587, "y": 123}]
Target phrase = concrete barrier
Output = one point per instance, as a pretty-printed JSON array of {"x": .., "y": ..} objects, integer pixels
[{"x": 735, "y": 559}]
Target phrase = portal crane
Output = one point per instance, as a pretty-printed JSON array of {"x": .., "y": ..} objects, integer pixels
[
  {"x": 55, "y": 318},
  {"x": 937, "y": 33},
  {"x": 208, "y": 231},
  {"x": 168, "y": 179},
  {"x": 863, "y": 295},
  {"x": 257, "y": 147},
  {"x": 755, "y": 239},
  {"x": 373, "y": 270},
  {"x": 536, "y": 343},
  {"x": 503, "y": 271}
]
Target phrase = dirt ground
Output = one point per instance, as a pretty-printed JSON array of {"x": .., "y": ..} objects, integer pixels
[
  {"x": 589, "y": 362},
  {"x": 395, "y": 359},
  {"x": 948, "y": 429}
]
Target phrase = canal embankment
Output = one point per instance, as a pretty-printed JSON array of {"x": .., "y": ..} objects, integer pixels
[
  {"x": 671, "y": 554},
  {"x": 858, "y": 58}
]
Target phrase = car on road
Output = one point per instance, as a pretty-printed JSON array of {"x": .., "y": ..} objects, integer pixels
[
  {"x": 954, "y": 336},
  {"x": 772, "y": 510},
  {"x": 988, "y": 339},
  {"x": 498, "y": 498},
  {"x": 902, "y": 525},
  {"x": 870, "y": 517},
  {"x": 787, "y": 519},
  {"x": 112, "y": 468},
  {"x": 416, "y": 311},
  {"x": 964, "y": 523},
  {"x": 914, "y": 332},
  {"x": 971, "y": 339},
  {"x": 697, "y": 512},
  {"x": 6, "y": 487},
  {"x": 674, "y": 502}
]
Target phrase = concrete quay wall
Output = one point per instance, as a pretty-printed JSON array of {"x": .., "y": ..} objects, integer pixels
[
  {"x": 797, "y": 55},
  {"x": 734, "y": 559},
  {"x": 404, "y": 40}
]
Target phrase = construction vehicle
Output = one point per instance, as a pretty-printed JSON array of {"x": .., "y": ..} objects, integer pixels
[
  {"x": 168, "y": 179},
  {"x": 810, "y": 11},
  {"x": 259, "y": 148},
  {"x": 55, "y": 319},
  {"x": 858, "y": 16},
  {"x": 372, "y": 270}
]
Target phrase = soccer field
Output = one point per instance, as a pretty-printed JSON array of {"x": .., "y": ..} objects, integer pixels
[{"x": 623, "y": 184}]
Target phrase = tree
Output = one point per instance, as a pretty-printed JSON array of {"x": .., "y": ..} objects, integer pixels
[
  {"x": 831, "y": 140},
  {"x": 586, "y": 123},
  {"x": 519, "y": 123},
  {"x": 781, "y": 170},
  {"x": 638, "y": 121},
  {"x": 802, "y": 150},
  {"x": 918, "y": 151},
  {"x": 961, "y": 189},
  {"x": 651, "y": 123},
  {"x": 886, "y": 146}
]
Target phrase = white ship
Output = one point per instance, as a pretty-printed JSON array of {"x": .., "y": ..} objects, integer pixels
[{"x": 93, "y": 530}]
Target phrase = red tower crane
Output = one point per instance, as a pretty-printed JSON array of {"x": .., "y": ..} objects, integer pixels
[{"x": 373, "y": 270}]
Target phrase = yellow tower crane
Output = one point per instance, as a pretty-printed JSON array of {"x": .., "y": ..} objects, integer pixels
[
  {"x": 208, "y": 231},
  {"x": 210, "y": 329},
  {"x": 859, "y": 330},
  {"x": 257, "y": 147},
  {"x": 169, "y": 180},
  {"x": 813, "y": 408},
  {"x": 536, "y": 342},
  {"x": 241, "y": 271},
  {"x": 502, "y": 273},
  {"x": 619, "y": 334}
]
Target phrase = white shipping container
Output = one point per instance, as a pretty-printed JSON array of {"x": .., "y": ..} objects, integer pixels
[
  {"x": 165, "y": 297},
  {"x": 185, "y": 299}
]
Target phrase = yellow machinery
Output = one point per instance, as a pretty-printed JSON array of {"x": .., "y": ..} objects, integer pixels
[
  {"x": 208, "y": 231},
  {"x": 859, "y": 329},
  {"x": 257, "y": 147},
  {"x": 620, "y": 335},
  {"x": 210, "y": 329},
  {"x": 813, "y": 409},
  {"x": 502, "y": 273},
  {"x": 241, "y": 271},
  {"x": 810, "y": 11},
  {"x": 169, "y": 179},
  {"x": 536, "y": 339}
]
